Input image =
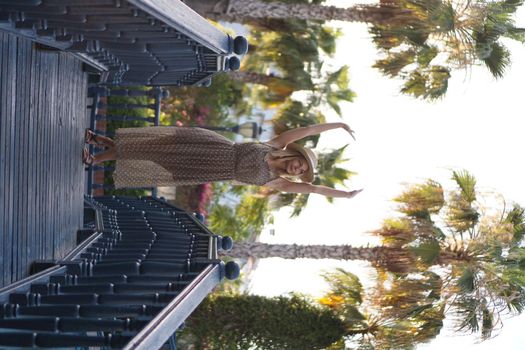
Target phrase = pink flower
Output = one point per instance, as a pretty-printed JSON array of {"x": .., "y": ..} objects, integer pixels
[
  {"x": 204, "y": 109},
  {"x": 199, "y": 120},
  {"x": 178, "y": 123},
  {"x": 205, "y": 196}
]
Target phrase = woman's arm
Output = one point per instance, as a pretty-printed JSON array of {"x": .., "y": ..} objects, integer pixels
[
  {"x": 284, "y": 185},
  {"x": 289, "y": 136}
]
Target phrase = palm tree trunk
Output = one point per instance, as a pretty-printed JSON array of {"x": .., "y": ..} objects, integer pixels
[
  {"x": 256, "y": 78},
  {"x": 241, "y": 10},
  {"x": 281, "y": 87},
  {"x": 392, "y": 258}
]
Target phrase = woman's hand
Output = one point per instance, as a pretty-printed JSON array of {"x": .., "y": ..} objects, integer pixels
[
  {"x": 352, "y": 194},
  {"x": 348, "y": 129}
]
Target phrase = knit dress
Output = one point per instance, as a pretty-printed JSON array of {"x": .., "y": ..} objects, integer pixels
[{"x": 173, "y": 156}]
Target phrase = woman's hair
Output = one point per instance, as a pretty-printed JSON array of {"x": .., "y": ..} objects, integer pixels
[{"x": 285, "y": 154}]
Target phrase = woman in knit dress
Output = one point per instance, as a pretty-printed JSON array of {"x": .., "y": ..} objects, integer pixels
[{"x": 171, "y": 156}]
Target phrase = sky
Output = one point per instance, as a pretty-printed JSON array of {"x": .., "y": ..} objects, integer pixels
[{"x": 478, "y": 126}]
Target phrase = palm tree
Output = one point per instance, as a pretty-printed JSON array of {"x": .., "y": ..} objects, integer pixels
[
  {"x": 482, "y": 259},
  {"x": 392, "y": 258},
  {"x": 278, "y": 89},
  {"x": 240, "y": 11},
  {"x": 457, "y": 35},
  {"x": 294, "y": 114},
  {"x": 331, "y": 89},
  {"x": 291, "y": 61},
  {"x": 400, "y": 316},
  {"x": 423, "y": 40}
]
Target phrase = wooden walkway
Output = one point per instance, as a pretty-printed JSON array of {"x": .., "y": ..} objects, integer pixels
[{"x": 43, "y": 114}]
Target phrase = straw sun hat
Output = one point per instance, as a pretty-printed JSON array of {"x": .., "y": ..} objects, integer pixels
[{"x": 310, "y": 157}]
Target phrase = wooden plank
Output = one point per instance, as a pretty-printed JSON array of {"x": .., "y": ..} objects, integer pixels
[
  {"x": 51, "y": 167},
  {"x": 10, "y": 76},
  {"x": 3, "y": 181},
  {"x": 42, "y": 159},
  {"x": 32, "y": 188},
  {"x": 24, "y": 77}
]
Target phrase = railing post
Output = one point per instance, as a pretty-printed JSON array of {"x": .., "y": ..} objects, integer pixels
[
  {"x": 158, "y": 94},
  {"x": 92, "y": 122}
]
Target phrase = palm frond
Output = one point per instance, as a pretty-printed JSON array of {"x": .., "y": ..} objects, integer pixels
[
  {"x": 427, "y": 251},
  {"x": 395, "y": 232},
  {"x": 299, "y": 204},
  {"x": 517, "y": 34},
  {"x": 498, "y": 60},
  {"x": 516, "y": 217},
  {"x": 467, "y": 310},
  {"x": 467, "y": 281},
  {"x": 487, "y": 322},
  {"x": 516, "y": 255},
  {"x": 427, "y": 83},
  {"x": 346, "y": 284},
  {"x": 467, "y": 184},
  {"x": 422, "y": 200},
  {"x": 426, "y": 55},
  {"x": 394, "y": 62}
]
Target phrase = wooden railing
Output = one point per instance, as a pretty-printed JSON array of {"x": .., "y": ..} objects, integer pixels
[
  {"x": 130, "y": 42},
  {"x": 143, "y": 269}
]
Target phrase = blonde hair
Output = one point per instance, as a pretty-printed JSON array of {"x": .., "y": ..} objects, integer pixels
[{"x": 284, "y": 154}]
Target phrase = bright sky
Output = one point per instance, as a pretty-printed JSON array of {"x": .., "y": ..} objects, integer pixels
[{"x": 479, "y": 126}]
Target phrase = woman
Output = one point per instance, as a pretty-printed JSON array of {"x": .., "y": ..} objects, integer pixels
[{"x": 171, "y": 156}]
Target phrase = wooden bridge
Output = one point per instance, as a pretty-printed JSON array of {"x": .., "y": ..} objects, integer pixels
[
  {"x": 43, "y": 114},
  {"x": 50, "y": 53}
]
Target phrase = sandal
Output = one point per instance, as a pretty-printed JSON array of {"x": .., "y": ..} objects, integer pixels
[
  {"x": 91, "y": 138},
  {"x": 87, "y": 158}
]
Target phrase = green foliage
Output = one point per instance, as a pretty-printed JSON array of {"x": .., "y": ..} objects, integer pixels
[
  {"x": 113, "y": 125},
  {"x": 243, "y": 221},
  {"x": 467, "y": 280},
  {"x": 295, "y": 114},
  {"x": 467, "y": 183},
  {"x": 294, "y": 53},
  {"x": 485, "y": 270},
  {"x": 212, "y": 106},
  {"x": 396, "y": 232},
  {"x": 428, "y": 83},
  {"x": 248, "y": 321},
  {"x": 516, "y": 218},
  {"x": 421, "y": 201},
  {"x": 516, "y": 255},
  {"x": 461, "y": 214},
  {"x": 464, "y": 35},
  {"x": 400, "y": 316},
  {"x": 468, "y": 317},
  {"x": 392, "y": 64},
  {"x": 345, "y": 285},
  {"x": 332, "y": 89},
  {"x": 427, "y": 251}
]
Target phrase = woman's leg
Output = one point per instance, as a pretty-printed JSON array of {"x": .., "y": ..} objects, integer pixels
[
  {"x": 105, "y": 141},
  {"x": 109, "y": 154},
  {"x": 98, "y": 140}
]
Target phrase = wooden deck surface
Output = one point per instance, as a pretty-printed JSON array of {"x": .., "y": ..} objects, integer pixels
[{"x": 42, "y": 117}]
